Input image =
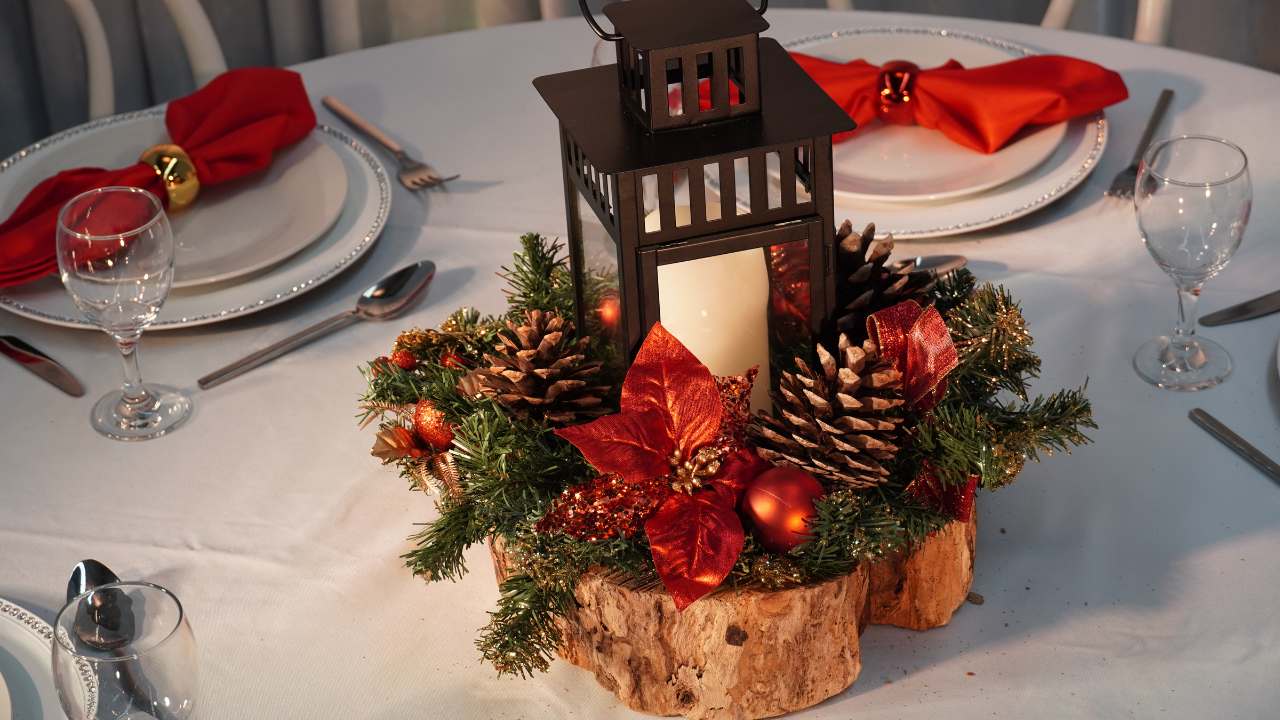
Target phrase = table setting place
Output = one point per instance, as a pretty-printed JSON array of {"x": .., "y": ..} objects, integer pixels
[{"x": 712, "y": 338}]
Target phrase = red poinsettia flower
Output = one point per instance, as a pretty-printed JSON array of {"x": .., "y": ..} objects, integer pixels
[{"x": 668, "y": 428}]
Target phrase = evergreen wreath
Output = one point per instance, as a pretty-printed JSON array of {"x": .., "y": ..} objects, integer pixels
[{"x": 503, "y": 473}]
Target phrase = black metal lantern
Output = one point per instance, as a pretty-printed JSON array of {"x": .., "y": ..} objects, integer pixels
[{"x": 698, "y": 190}]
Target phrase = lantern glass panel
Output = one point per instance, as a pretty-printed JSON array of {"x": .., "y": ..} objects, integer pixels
[
  {"x": 596, "y": 260},
  {"x": 741, "y": 310}
]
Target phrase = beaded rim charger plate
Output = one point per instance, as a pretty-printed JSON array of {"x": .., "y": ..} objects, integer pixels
[
  {"x": 26, "y": 668},
  {"x": 357, "y": 220},
  {"x": 1067, "y": 166}
]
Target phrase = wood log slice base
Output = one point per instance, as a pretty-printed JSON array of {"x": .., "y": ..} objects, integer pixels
[
  {"x": 756, "y": 654},
  {"x": 920, "y": 588}
]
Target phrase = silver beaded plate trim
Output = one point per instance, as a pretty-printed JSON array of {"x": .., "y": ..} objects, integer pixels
[
  {"x": 41, "y": 630},
  {"x": 1098, "y": 121},
  {"x": 375, "y": 229}
]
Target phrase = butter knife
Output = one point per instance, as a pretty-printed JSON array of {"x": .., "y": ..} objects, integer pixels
[
  {"x": 1235, "y": 442},
  {"x": 40, "y": 364},
  {"x": 1256, "y": 307}
]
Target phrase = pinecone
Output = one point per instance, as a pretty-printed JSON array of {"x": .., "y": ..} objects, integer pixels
[
  {"x": 539, "y": 372},
  {"x": 833, "y": 422},
  {"x": 868, "y": 286}
]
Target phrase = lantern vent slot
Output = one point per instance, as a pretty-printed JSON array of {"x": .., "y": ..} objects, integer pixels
[
  {"x": 649, "y": 196},
  {"x": 680, "y": 181},
  {"x": 711, "y": 171},
  {"x": 675, "y": 74},
  {"x": 737, "y": 76},
  {"x": 706, "y": 79},
  {"x": 804, "y": 174},
  {"x": 742, "y": 172},
  {"x": 773, "y": 166}
]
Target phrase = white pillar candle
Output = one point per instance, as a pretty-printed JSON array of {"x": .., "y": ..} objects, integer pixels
[{"x": 718, "y": 307}]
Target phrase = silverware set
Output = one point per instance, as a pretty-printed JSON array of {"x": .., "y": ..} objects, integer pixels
[
  {"x": 1122, "y": 184},
  {"x": 414, "y": 174}
]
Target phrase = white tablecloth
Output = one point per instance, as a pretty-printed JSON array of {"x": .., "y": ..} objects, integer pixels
[{"x": 1136, "y": 577}]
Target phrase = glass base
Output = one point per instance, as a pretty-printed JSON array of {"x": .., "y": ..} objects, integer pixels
[
  {"x": 169, "y": 409},
  {"x": 1162, "y": 365}
]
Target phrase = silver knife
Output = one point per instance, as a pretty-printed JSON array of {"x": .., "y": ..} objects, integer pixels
[
  {"x": 1256, "y": 307},
  {"x": 1235, "y": 442},
  {"x": 40, "y": 364}
]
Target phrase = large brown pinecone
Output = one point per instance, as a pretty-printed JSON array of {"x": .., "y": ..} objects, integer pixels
[
  {"x": 538, "y": 372},
  {"x": 832, "y": 422},
  {"x": 866, "y": 285}
]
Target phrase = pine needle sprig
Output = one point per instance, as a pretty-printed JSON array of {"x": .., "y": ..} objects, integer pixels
[
  {"x": 539, "y": 278},
  {"x": 953, "y": 290},
  {"x": 993, "y": 345}
]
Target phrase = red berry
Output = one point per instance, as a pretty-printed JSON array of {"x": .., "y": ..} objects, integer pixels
[
  {"x": 380, "y": 365},
  {"x": 431, "y": 426},
  {"x": 453, "y": 360},
  {"x": 404, "y": 359}
]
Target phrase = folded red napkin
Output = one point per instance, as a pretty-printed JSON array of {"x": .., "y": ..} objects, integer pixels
[
  {"x": 230, "y": 128},
  {"x": 980, "y": 108}
]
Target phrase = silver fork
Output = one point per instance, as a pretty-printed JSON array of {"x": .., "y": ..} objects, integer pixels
[
  {"x": 413, "y": 174},
  {"x": 1122, "y": 185}
]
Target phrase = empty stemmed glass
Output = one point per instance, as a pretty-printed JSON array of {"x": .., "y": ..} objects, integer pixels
[
  {"x": 1192, "y": 197},
  {"x": 115, "y": 254},
  {"x": 125, "y": 651}
]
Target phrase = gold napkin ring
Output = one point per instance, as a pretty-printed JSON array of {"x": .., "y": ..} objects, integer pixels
[{"x": 176, "y": 170}]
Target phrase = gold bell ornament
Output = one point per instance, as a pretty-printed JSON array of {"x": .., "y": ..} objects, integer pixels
[{"x": 176, "y": 170}]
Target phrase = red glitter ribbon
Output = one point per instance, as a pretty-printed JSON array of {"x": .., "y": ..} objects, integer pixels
[
  {"x": 671, "y": 402},
  {"x": 918, "y": 342},
  {"x": 953, "y": 501}
]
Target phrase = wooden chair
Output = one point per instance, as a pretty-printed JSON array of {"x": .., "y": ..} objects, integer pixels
[
  {"x": 1153, "y": 19},
  {"x": 198, "y": 39}
]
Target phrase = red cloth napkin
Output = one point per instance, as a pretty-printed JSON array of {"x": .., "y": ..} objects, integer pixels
[
  {"x": 980, "y": 108},
  {"x": 230, "y": 128}
]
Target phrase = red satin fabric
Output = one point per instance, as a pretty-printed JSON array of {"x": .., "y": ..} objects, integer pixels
[
  {"x": 919, "y": 344},
  {"x": 980, "y": 108},
  {"x": 230, "y": 128}
]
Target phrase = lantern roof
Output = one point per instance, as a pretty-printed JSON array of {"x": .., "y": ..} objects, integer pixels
[
  {"x": 588, "y": 104},
  {"x": 657, "y": 24}
]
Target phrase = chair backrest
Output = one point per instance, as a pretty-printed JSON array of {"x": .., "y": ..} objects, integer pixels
[
  {"x": 198, "y": 39},
  {"x": 1152, "y": 26}
]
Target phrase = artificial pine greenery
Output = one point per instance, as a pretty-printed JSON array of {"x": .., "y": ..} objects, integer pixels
[{"x": 510, "y": 471}]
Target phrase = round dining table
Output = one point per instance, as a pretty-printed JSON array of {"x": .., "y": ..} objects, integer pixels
[{"x": 1136, "y": 576}]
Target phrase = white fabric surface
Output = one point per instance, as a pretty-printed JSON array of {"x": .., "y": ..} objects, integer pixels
[{"x": 1137, "y": 576}]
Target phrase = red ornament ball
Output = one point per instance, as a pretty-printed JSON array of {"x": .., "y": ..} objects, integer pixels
[
  {"x": 404, "y": 359},
  {"x": 897, "y": 82},
  {"x": 779, "y": 504},
  {"x": 431, "y": 426},
  {"x": 381, "y": 365}
]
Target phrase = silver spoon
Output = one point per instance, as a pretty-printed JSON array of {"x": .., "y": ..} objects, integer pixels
[
  {"x": 388, "y": 298},
  {"x": 105, "y": 622},
  {"x": 943, "y": 265}
]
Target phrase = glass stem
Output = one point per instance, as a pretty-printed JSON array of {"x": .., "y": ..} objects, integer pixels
[
  {"x": 136, "y": 403},
  {"x": 1185, "y": 350}
]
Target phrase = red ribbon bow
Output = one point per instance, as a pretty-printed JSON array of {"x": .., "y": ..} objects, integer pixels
[
  {"x": 918, "y": 342},
  {"x": 671, "y": 404},
  {"x": 230, "y": 128},
  {"x": 980, "y": 108}
]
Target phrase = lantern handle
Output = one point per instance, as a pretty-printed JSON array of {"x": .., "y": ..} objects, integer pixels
[
  {"x": 595, "y": 27},
  {"x": 614, "y": 37}
]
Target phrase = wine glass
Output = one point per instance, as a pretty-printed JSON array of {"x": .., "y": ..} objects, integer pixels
[
  {"x": 1193, "y": 197},
  {"x": 115, "y": 254},
  {"x": 125, "y": 650}
]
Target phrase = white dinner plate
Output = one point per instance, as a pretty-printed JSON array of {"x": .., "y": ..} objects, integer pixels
[
  {"x": 912, "y": 163},
  {"x": 363, "y": 212},
  {"x": 1068, "y": 165},
  {"x": 26, "y": 665},
  {"x": 234, "y": 228}
]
